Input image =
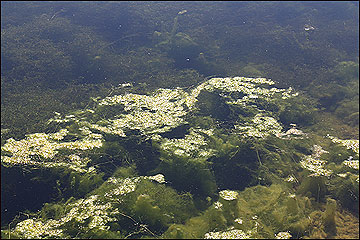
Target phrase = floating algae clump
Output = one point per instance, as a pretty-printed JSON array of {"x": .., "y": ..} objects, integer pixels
[
  {"x": 228, "y": 195},
  {"x": 229, "y": 234},
  {"x": 150, "y": 114},
  {"x": 191, "y": 149},
  {"x": 314, "y": 164},
  {"x": 90, "y": 213},
  {"x": 118, "y": 200},
  {"x": 42, "y": 150},
  {"x": 166, "y": 109},
  {"x": 194, "y": 144},
  {"x": 261, "y": 127},
  {"x": 352, "y": 144}
]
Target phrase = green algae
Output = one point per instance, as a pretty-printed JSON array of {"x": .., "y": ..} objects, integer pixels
[
  {"x": 258, "y": 211},
  {"x": 244, "y": 140},
  {"x": 196, "y": 164}
]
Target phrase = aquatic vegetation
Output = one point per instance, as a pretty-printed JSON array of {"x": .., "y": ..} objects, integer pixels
[
  {"x": 346, "y": 71},
  {"x": 80, "y": 211},
  {"x": 352, "y": 164},
  {"x": 179, "y": 45},
  {"x": 262, "y": 127},
  {"x": 248, "y": 214},
  {"x": 135, "y": 134},
  {"x": 193, "y": 144},
  {"x": 228, "y": 195},
  {"x": 97, "y": 212},
  {"x": 314, "y": 164},
  {"x": 352, "y": 144},
  {"x": 329, "y": 214},
  {"x": 338, "y": 92},
  {"x": 228, "y": 234},
  {"x": 188, "y": 174},
  {"x": 163, "y": 111},
  {"x": 166, "y": 109},
  {"x": 41, "y": 150},
  {"x": 195, "y": 157},
  {"x": 283, "y": 235}
]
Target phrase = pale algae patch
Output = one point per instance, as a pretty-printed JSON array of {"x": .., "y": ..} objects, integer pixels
[
  {"x": 352, "y": 164},
  {"x": 92, "y": 213},
  {"x": 157, "y": 113},
  {"x": 42, "y": 150},
  {"x": 228, "y": 195},
  {"x": 353, "y": 145},
  {"x": 166, "y": 109},
  {"x": 260, "y": 127},
  {"x": 320, "y": 167},
  {"x": 128, "y": 185},
  {"x": 194, "y": 144},
  {"x": 229, "y": 234},
  {"x": 283, "y": 235},
  {"x": 314, "y": 164},
  {"x": 152, "y": 114}
]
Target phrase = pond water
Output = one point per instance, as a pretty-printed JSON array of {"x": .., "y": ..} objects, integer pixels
[{"x": 180, "y": 119}]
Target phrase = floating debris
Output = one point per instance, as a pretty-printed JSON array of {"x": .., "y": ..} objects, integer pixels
[{"x": 308, "y": 27}]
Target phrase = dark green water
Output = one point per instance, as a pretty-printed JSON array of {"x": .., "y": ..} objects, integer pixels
[{"x": 248, "y": 110}]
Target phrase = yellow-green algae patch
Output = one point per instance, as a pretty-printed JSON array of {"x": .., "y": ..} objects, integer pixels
[
  {"x": 93, "y": 213},
  {"x": 257, "y": 212},
  {"x": 186, "y": 160},
  {"x": 152, "y": 114},
  {"x": 42, "y": 150}
]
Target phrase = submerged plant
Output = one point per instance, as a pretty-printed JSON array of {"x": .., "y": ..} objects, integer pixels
[{"x": 179, "y": 134}]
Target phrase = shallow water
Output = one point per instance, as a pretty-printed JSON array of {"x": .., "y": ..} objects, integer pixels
[{"x": 180, "y": 119}]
